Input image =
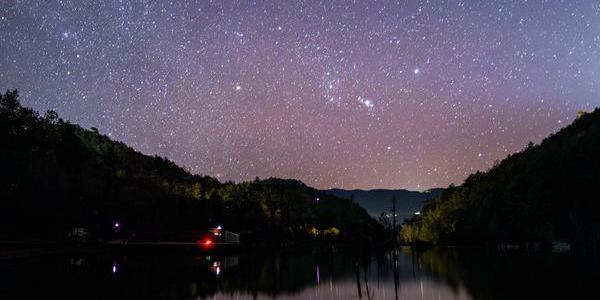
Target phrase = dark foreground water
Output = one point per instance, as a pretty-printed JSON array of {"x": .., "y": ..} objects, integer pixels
[{"x": 309, "y": 274}]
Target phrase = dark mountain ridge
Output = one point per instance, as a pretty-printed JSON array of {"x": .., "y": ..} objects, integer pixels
[
  {"x": 544, "y": 193},
  {"x": 57, "y": 176}
]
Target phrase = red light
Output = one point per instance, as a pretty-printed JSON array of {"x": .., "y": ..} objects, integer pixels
[{"x": 206, "y": 242}]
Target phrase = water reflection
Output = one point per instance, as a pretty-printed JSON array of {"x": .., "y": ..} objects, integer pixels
[{"x": 435, "y": 274}]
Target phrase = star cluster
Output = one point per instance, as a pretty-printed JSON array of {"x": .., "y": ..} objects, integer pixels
[{"x": 350, "y": 94}]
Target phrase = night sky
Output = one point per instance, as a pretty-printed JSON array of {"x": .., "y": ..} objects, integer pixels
[{"x": 405, "y": 94}]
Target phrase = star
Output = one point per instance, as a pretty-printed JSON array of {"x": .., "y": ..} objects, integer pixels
[{"x": 343, "y": 94}]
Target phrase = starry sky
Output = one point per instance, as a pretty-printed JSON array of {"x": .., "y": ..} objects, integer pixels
[{"x": 348, "y": 94}]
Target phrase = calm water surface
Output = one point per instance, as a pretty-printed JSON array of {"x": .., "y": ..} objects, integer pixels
[{"x": 435, "y": 274}]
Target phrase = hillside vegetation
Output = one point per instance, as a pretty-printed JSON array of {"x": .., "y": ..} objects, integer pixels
[
  {"x": 57, "y": 176},
  {"x": 544, "y": 193}
]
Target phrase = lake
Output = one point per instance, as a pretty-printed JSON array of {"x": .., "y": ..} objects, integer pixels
[{"x": 307, "y": 274}]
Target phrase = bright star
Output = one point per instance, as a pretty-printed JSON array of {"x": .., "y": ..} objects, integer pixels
[{"x": 368, "y": 103}]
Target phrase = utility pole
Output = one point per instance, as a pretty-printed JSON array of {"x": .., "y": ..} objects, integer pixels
[
  {"x": 395, "y": 253},
  {"x": 394, "y": 219}
]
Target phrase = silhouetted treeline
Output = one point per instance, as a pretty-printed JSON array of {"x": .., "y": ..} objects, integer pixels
[
  {"x": 57, "y": 176},
  {"x": 544, "y": 193}
]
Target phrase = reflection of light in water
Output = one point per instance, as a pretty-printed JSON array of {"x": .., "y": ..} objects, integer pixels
[
  {"x": 216, "y": 267},
  {"x": 339, "y": 283},
  {"x": 318, "y": 275},
  {"x": 114, "y": 268}
]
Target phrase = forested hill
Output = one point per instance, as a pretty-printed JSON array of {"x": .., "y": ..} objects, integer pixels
[
  {"x": 546, "y": 192},
  {"x": 57, "y": 176}
]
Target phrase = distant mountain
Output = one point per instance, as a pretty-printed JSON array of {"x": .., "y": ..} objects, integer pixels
[
  {"x": 545, "y": 193},
  {"x": 380, "y": 200}
]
